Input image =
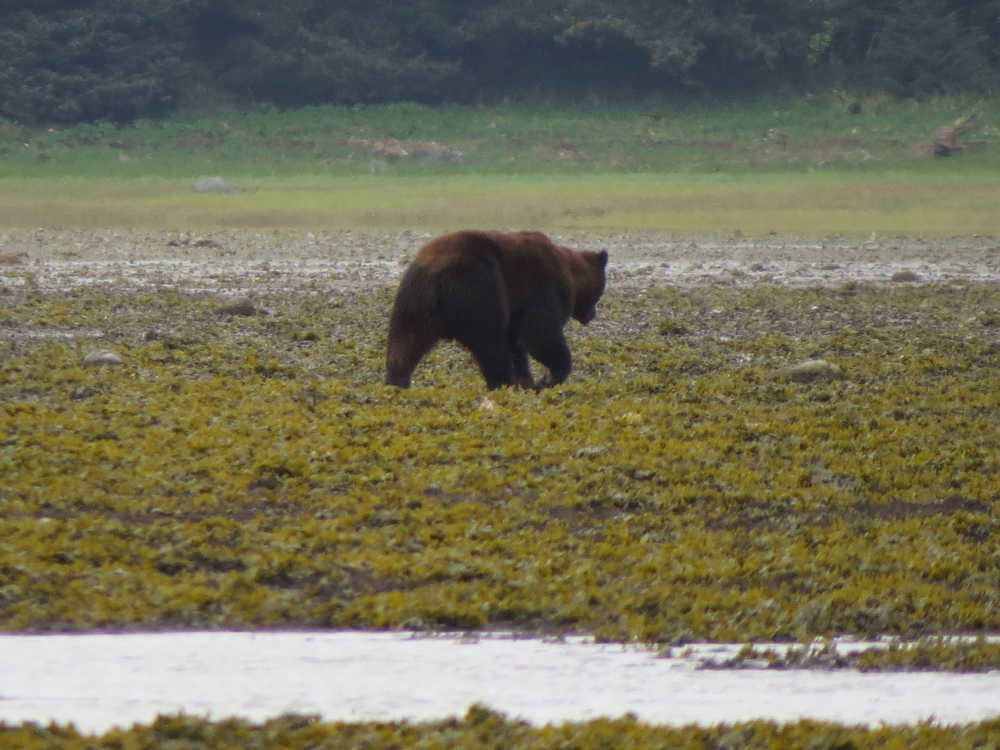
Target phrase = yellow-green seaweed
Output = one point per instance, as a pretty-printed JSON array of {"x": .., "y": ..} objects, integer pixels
[
  {"x": 484, "y": 728},
  {"x": 236, "y": 472}
]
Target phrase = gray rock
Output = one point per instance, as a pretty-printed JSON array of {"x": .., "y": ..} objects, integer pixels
[
  {"x": 903, "y": 276},
  {"x": 212, "y": 185},
  {"x": 101, "y": 357},
  {"x": 242, "y": 306},
  {"x": 808, "y": 371},
  {"x": 445, "y": 157}
]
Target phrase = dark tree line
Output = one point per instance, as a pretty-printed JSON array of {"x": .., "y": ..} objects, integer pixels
[{"x": 80, "y": 60}]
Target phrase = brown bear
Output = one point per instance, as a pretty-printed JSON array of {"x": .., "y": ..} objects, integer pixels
[{"x": 502, "y": 296}]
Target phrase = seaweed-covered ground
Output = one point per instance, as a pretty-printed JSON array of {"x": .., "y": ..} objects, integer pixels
[
  {"x": 484, "y": 728},
  {"x": 194, "y": 435}
]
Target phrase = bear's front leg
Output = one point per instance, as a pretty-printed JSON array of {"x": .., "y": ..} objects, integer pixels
[
  {"x": 551, "y": 350},
  {"x": 522, "y": 368}
]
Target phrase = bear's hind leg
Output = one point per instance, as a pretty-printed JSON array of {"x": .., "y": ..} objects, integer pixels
[
  {"x": 405, "y": 349},
  {"x": 415, "y": 325},
  {"x": 522, "y": 370}
]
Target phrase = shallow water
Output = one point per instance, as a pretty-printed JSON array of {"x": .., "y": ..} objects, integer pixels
[{"x": 100, "y": 681}]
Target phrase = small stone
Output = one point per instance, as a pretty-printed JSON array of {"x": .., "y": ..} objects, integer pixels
[
  {"x": 808, "y": 371},
  {"x": 673, "y": 327},
  {"x": 901, "y": 276},
  {"x": 238, "y": 307},
  {"x": 102, "y": 357},
  {"x": 212, "y": 185},
  {"x": 13, "y": 259}
]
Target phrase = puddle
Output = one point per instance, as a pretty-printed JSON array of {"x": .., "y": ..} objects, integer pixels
[{"x": 101, "y": 681}]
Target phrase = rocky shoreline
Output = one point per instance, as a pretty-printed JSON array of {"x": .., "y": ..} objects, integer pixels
[{"x": 239, "y": 262}]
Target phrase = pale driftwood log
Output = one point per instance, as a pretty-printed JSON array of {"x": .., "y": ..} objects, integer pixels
[{"x": 948, "y": 140}]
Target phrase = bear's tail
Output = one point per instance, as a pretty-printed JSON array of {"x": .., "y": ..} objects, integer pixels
[{"x": 414, "y": 327}]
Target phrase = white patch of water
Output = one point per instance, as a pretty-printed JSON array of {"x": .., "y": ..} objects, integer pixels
[{"x": 100, "y": 681}]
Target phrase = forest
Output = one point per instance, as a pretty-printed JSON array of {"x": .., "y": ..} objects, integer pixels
[{"x": 67, "y": 61}]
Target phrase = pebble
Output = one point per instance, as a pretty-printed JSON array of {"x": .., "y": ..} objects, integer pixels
[
  {"x": 212, "y": 185},
  {"x": 100, "y": 357},
  {"x": 241, "y": 306},
  {"x": 809, "y": 370}
]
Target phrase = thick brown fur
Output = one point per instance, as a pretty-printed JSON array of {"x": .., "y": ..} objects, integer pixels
[{"x": 502, "y": 296}]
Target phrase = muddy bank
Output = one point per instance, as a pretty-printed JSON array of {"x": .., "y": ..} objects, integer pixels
[{"x": 249, "y": 261}]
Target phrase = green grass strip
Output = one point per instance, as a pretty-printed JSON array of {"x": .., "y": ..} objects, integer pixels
[{"x": 805, "y": 204}]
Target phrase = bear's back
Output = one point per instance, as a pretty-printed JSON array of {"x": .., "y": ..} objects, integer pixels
[{"x": 519, "y": 254}]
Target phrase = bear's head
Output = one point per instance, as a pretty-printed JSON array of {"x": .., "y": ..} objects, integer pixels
[{"x": 588, "y": 281}]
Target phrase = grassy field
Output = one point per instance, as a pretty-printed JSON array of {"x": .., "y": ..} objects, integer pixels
[
  {"x": 806, "y": 166},
  {"x": 801, "y": 204},
  {"x": 685, "y": 136}
]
